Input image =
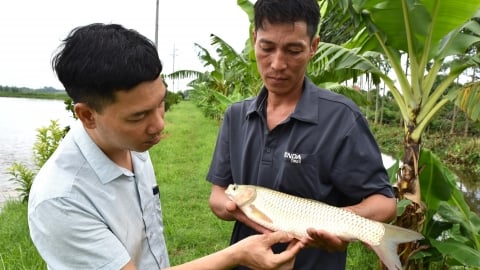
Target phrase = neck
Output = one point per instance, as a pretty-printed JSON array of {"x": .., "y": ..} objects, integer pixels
[{"x": 121, "y": 157}]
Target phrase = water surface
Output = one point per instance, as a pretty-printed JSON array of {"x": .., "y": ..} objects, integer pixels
[{"x": 19, "y": 120}]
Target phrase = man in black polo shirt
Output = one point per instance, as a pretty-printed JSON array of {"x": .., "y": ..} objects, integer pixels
[{"x": 297, "y": 138}]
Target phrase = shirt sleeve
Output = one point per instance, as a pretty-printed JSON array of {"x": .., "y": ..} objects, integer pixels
[
  {"x": 359, "y": 166},
  {"x": 68, "y": 236},
  {"x": 220, "y": 172}
]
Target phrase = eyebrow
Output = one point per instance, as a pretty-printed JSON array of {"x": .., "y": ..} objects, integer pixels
[{"x": 290, "y": 44}]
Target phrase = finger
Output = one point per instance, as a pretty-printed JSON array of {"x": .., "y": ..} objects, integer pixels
[
  {"x": 279, "y": 237},
  {"x": 292, "y": 250},
  {"x": 326, "y": 240},
  {"x": 295, "y": 246}
]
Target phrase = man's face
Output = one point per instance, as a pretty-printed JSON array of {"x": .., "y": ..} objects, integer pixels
[
  {"x": 134, "y": 121},
  {"x": 283, "y": 52}
]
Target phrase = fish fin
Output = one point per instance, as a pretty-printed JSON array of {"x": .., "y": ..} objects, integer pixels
[
  {"x": 259, "y": 214},
  {"x": 387, "y": 249}
]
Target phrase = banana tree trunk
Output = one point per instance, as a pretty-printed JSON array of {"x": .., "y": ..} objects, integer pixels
[{"x": 408, "y": 187}]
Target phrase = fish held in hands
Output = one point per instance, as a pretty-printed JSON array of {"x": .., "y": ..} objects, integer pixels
[{"x": 279, "y": 211}]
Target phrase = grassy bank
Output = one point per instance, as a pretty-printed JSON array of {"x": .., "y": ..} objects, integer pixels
[
  {"x": 16, "y": 248},
  {"x": 39, "y": 95},
  {"x": 181, "y": 161}
]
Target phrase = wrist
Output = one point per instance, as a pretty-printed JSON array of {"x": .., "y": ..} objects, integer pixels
[{"x": 234, "y": 255}]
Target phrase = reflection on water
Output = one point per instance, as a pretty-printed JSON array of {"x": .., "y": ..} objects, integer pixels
[
  {"x": 470, "y": 185},
  {"x": 19, "y": 119}
]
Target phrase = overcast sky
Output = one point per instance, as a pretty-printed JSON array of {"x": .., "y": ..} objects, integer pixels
[{"x": 31, "y": 31}]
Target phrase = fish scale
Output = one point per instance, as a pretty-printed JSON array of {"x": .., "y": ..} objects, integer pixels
[
  {"x": 279, "y": 211},
  {"x": 286, "y": 210}
]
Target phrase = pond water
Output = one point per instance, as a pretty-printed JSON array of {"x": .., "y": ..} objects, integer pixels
[
  {"x": 470, "y": 185},
  {"x": 19, "y": 120}
]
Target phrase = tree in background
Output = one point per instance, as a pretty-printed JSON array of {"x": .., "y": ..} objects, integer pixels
[{"x": 427, "y": 33}]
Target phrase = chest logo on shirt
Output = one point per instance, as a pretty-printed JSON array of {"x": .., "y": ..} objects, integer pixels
[{"x": 293, "y": 157}]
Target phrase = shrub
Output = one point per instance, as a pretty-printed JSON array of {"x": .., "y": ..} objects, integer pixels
[{"x": 47, "y": 141}]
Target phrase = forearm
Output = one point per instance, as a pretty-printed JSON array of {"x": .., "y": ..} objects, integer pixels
[
  {"x": 376, "y": 207},
  {"x": 253, "y": 252},
  {"x": 218, "y": 200},
  {"x": 224, "y": 259}
]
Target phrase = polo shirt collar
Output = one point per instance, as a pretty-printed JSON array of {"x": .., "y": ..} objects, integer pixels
[
  {"x": 104, "y": 168},
  {"x": 305, "y": 110},
  {"x": 302, "y": 112}
]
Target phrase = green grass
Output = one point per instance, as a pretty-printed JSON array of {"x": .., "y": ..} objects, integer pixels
[
  {"x": 181, "y": 161},
  {"x": 16, "y": 248}
]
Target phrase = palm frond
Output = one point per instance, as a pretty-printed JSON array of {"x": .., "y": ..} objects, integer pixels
[{"x": 335, "y": 63}]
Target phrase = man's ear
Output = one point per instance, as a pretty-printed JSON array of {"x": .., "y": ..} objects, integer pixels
[
  {"x": 86, "y": 114},
  {"x": 315, "y": 42}
]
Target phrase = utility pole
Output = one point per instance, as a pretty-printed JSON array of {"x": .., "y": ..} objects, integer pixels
[
  {"x": 174, "y": 53},
  {"x": 156, "y": 26}
]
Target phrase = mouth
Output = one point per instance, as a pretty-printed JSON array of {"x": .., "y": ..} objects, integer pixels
[
  {"x": 154, "y": 140},
  {"x": 276, "y": 79}
]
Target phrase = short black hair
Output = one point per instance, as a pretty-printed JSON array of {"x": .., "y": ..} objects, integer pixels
[
  {"x": 97, "y": 60},
  {"x": 288, "y": 11}
]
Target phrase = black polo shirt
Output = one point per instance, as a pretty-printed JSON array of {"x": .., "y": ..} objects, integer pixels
[{"x": 323, "y": 151}]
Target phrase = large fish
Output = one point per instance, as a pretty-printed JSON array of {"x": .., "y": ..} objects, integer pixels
[{"x": 279, "y": 211}]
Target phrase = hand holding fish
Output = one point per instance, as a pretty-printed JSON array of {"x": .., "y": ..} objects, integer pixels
[
  {"x": 256, "y": 253},
  {"x": 239, "y": 215},
  {"x": 325, "y": 240},
  {"x": 306, "y": 218}
]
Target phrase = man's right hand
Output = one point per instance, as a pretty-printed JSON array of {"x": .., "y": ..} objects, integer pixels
[{"x": 237, "y": 214}]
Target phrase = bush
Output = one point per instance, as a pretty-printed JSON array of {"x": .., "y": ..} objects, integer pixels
[{"x": 47, "y": 141}]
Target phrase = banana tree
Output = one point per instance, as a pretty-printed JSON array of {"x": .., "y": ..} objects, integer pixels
[
  {"x": 427, "y": 33},
  {"x": 231, "y": 76}
]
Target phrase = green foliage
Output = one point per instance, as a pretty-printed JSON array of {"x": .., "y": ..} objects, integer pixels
[
  {"x": 23, "y": 177},
  {"x": 233, "y": 76},
  {"x": 43, "y": 93},
  {"x": 69, "y": 106},
  {"x": 47, "y": 141},
  {"x": 172, "y": 99},
  {"x": 468, "y": 98},
  {"x": 451, "y": 229}
]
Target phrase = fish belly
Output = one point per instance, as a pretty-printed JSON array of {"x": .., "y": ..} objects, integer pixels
[{"x": 295, "y": 215}]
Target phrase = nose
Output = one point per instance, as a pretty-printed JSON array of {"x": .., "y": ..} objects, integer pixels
[
  {"x": 278, "y": 61},
  {"x": 157, "y": 122}
]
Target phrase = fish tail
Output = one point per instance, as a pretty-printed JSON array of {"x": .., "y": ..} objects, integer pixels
[{"x": 387, "y": 249}]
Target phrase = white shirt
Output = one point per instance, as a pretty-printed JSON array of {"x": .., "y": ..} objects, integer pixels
[{"x": 86, "y": 212}]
